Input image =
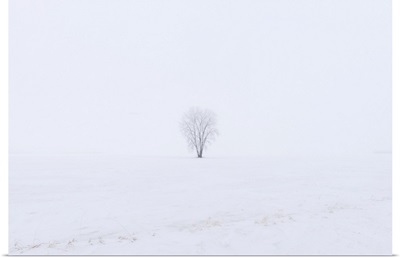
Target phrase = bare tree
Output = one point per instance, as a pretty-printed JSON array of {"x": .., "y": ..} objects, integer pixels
[{"x": 199, "y": 128}]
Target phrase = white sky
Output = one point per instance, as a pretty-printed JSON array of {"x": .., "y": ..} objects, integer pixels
[{"x": 284, "y": 77}]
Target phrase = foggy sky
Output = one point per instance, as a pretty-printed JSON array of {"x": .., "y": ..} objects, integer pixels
[{"x": 284, "y": 77}]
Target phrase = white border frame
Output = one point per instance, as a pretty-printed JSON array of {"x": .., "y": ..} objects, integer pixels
[
  {"x": 395, "y": 123},
  {"x": 4, "y": 125}
]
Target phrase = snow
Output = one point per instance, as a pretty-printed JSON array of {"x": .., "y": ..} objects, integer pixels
[{"x": 94, "y": 204}]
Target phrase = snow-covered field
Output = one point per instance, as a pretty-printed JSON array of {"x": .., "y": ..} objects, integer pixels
[{"x": 177, "y": 205}]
